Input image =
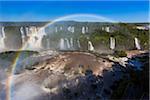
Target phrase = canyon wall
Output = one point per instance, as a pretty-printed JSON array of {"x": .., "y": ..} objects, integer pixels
[{"x": 69, "y": 35}]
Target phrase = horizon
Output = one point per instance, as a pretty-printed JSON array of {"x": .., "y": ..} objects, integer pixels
[
  {"x": 71, "y": 21},
  {"x": 43, "y": 11}
]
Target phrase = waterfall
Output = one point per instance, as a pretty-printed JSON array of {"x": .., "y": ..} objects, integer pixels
[
  {"x": 112, "y": 43},
  {"x": 107, "y": 29},
  {"x": 137, "y": 44},
  {"x": 71, "y": 42},
  {"x": 61, "y": 28},
  {"x": 39, "y": 36},
  {"x": 87, "y": 29},
  {"x": 27, "y": 31},
  {"x": 2, "y": 37},
  {"x": 31, "y": 43},
  {"x": 68, "y": 44},
  {"x": 56, "y": 30},
  {"x": 62, "y": 44},
  {"x": 70, "y": 29},
  {"x": 83, "y": 30},
  {"x": 22, "y": 35},
  {"x": 90, "y": 46},
  {"x": 3, "y": 32},
  {"x": 35, "y": 38},
  {"x": 78, "y": 42}
]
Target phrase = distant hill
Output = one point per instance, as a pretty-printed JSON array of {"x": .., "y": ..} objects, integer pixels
[
  {"x": 23, "y": 23},
  {"x": 60, "y": 22}
]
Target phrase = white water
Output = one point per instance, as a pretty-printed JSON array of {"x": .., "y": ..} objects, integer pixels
[
  {"x": 83, "y": 30},
  {"x": 87, "y": 29},
  {"x": 137, "y": 44},
  {"x": 112, "y": 43},
  {"x": 62, "y": 44},
  {"x": 90, "y": 46},
  {"x": 70, "y": 29},
  {"x": 79, "y": 46},
  {"x": 71, "y": 42},
  {"x": 35, "y": 38},
  {"x": 22, "y": 35},
  {"x": 56, "y": 30},
  {"x": 40, "y": 35},
  {"x": 61, "y": 28},
  {"x": 68, "y": 44},
  {"x": 27, "y": 31},
  {"x": 2, "y": 37}
]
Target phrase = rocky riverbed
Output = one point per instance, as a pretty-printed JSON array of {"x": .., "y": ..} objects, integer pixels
[{"x": 74, "y": 75}]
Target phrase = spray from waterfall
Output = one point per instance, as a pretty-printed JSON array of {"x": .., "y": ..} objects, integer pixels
[
  {"x": 35, "y": 38},
  {"x": 137, "y": 44},
  {"x": 48, "y": 43}
]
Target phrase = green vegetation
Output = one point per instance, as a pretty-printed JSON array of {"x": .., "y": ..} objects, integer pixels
[
  {"x": 100, "y": 36},
  {"x": 124, "y": 36},
  {"x": 122, "y": 39},
  {"x": 120, "y": 54},
  {"x": 11, "y": 55},
  {"x": 143, "y": 36},
  {"x": 83, "y": 41}
]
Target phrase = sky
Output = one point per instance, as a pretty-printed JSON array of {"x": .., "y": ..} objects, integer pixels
[{"x": 122, "y": 11}]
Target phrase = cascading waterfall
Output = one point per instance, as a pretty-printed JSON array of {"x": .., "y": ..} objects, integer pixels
[
  {"x": 22, "y": 35},
  {"x": 35, "y": 40},
  {"x": 56, "y": 30},
  {"x": 61, "y": 28},
  {"x": 39, "y": 36},
  {"x": 68, "y": 44},
  {"x": 87, "y": 29},
  {"x": 31, "y": 41},
  {"x": 2, "y": 37},
  {"x": 78, "y": 42},
  {"x": 71, "y": 42},
  {"x": 137, "y": 44},
  {"x": 83, "y": 30},
  {"x": 62, "y": 44},
  {"x": 27, "y": 30},
  {"x": 90, "y": 46},
  {"x": 112, "y": 43},
  {"x": 71, "y": 29}
]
